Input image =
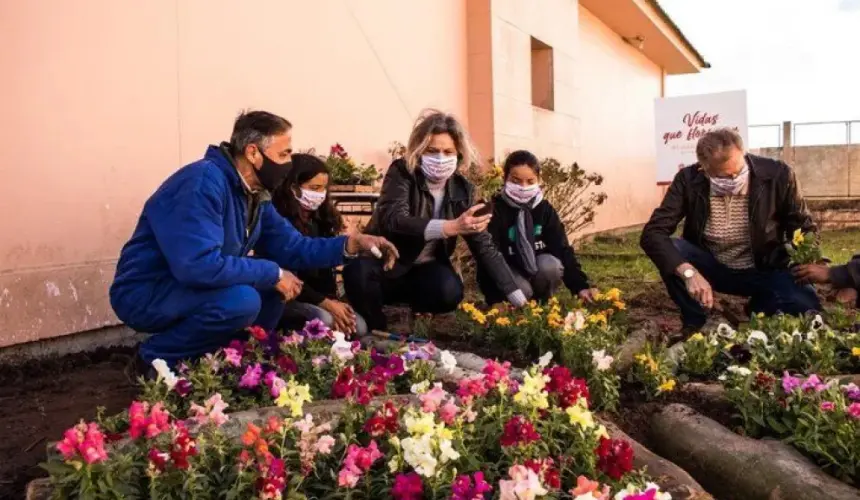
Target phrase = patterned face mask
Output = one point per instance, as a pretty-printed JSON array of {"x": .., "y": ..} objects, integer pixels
[
  {"x": 438, "y": 168},
  {"x": 311, "y": 200},
  {"x": 730, "y": 186}
]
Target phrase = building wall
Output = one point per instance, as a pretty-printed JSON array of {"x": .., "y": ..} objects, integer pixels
[
  {"x": 822, "y": 171},
  {"x": 616, "y": 92},
  {"x": 102, "y": 100}
]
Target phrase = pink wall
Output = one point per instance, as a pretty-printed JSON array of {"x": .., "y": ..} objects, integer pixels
[{"x": 103, "y": 99}]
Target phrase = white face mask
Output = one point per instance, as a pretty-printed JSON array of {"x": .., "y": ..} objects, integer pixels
[
  {"x": 311, "y": 200},
  {"x": 521, "y": 194},
  {"x": 438, "y": 168}
]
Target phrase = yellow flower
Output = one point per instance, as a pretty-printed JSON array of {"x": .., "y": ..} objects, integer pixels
[
  {"x": 647, "y": 360},
  {"x": 619, "y": 305},
  {"x": 641, "y": 358},
  {"x": 728, "y": 346},
  {"x": 531, "y": 393},
  {"x": 423, "y": 423},
  {"x": 294, "y": 396},
  {"x": 554, "y": 320},
  {"x": 855, "y": 352},
  {"x": 478, "y": 317},
  {"x": 492, "y": 312},
  {"x": 522, "y": 321},
  {"x": 797, "y": 239},
  {"x": 537, "y": 311},
  {"x": 697, "y": 337},
  {"x": 613, "y": 295},
  {"x": 667, "y": 386},
  {"x": 601, "y": 432},
  {"x": 503, "y": 321},
  {"x": 597, "y": 318},
  {"x": 579, "y": 415}
]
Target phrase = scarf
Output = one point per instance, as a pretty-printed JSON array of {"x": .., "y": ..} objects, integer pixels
[{"x": 524, "y": 242}]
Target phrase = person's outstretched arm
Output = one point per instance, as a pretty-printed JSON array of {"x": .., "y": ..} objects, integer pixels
[
  {"x": 847, "y": 276},
  {"x": 284, "y": 244},
  {"x": 188, "y": 226}
]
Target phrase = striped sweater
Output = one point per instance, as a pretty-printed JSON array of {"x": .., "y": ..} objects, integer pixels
[{"x": 727, "y": 232}]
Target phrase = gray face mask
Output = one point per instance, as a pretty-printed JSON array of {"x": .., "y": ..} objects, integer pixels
[{"x": 722, "y": 186}]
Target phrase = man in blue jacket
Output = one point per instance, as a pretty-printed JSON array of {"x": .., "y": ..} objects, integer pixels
[{"x": 209, "y": 256}]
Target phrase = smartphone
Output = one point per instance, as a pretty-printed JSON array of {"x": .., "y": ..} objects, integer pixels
[{"x": 487, "y": 209}]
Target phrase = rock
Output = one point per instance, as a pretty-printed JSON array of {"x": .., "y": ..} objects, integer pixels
[
  {"x": 671, "y": 478},
  {"x": 847, "y": 379},
  {"x": 713, "y": 394},
  {"x": 735, "y": 467},
  {"x": 634, "y": 344}
]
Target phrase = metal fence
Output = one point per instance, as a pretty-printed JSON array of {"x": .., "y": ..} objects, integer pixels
[{"x": 805, "y": 134}]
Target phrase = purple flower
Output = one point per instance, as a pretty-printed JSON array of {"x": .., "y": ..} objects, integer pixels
[
  {"x": 252, "y": 376},
  {"x": 827, "y": 406},
  {"x": 182, "y": 368},
  {"x": 315, "y": 329},
  {"x": 274, "y": 383},
  {"x": 852, "y": 392},
  {"x": 183, "y": 387},
  {"x": 789, "y": 383},
  {"x": 464, "y": 488},
  {"x": 239, "y": 346},
  {"x": 392, "y": 365}
]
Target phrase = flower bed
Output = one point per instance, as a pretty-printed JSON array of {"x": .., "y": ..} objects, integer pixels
[
  {"x": 491, "y": 436},
  {"x": 778, "y": 383}
]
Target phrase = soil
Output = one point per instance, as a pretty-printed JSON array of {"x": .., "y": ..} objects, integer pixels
[{"x": 40, "y": 400}]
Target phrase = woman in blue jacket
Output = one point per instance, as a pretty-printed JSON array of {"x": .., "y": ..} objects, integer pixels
[{"x": 210, "y": 255}]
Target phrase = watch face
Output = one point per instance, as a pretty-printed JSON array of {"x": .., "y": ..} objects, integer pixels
[{"x": 689, "y": 273}]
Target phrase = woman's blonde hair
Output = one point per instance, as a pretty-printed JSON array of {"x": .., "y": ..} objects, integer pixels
[{"x": 432, "y": 122}]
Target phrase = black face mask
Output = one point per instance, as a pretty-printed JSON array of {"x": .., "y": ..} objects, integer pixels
[{"x": 271, "y": 174}]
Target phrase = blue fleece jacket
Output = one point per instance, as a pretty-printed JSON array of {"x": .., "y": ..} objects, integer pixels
[{"x": 194, "y": 233}]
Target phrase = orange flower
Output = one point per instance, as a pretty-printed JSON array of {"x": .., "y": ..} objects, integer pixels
[{"x": 251, "y": 435}]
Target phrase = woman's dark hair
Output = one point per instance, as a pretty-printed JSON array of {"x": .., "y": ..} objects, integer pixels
[
  {"x": 305, "y": 168},
  {"x": 519, "y": 158}
]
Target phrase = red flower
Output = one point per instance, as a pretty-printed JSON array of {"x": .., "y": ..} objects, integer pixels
[
  {"x": 408, "y": 487},
  {"x": 614, "y": 457},
  {"x": 567, "y": 389},
  {"x": 158, "y": 459},
  {"x": 183, "y": 387},
  {"x": 545, "y": 468},
  {"x": 258, "y": 333},
  {"x": 273, "y": 479},
  {"x": 343, "y": 384},
  {"x": 183, "y": 447},
  {"x": 519, "y": 432},
  {"x": 764, "y": 381},
  {"x": 287, "y": 365},
  {"x": 385, "y": 421}
]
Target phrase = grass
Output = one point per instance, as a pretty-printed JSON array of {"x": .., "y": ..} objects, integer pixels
[{"x": 617, "y": 261}]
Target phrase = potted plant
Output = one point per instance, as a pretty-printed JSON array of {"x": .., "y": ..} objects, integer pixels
[{"x": 346, "y": 174}]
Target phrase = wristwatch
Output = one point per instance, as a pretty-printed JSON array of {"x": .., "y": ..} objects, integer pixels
[{"x": 689, "y": 273}]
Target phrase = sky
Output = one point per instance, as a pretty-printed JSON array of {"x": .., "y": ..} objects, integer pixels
[{"x": 799, "y": 60}]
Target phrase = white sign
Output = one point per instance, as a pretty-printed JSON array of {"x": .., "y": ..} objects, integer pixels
[{"x": 682, "y": 121}]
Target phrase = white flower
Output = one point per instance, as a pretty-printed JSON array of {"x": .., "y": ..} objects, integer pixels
[
  {"x": 545, "y": 360},
  {"x": 165, "y": 373},
  {"x": 726, "y": 331},
  {"x": 420, "y": 387},
  {"x": 447, "y": 453},
  {"x": 419, "y": 454},
  {"x": 342, "y": 348},
  {"x": 739, "y": 370},
  {"x": 758, "y": 336},
  {"x": 601, "y": 360},
  {"x": 811, "y": 336},
  {"x": 574, "y": 321},
  {"x": 817, "y": 322},
  {"x": 796, "y": 335},
  {"x": 722, "y": 378},
  {"x": 449, "y": 362},
  {"x": 659, "y": 495}
]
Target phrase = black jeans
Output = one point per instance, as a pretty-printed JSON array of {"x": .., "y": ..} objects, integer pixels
[
  {"x": 433, "y": 287},
  {"x": 770, "y": 292}
]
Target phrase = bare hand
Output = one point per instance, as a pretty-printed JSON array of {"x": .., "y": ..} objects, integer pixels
[
  {"x": 812, "y": 273},
  {"x": 467, "y": 223},
  {"x": 699, "y": 288},
  {"x": 587, "y": 295},
  {"x": 344, "y": 316},
  {"x": 365, "y": 243},
  {"x": 847, "y": 297},
  {"x": 289, "y": 286}
]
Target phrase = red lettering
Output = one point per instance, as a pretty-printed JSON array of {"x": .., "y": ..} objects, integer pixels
[
  {"x": 671, "y": 136},
  {"x": 700, "y": 118}
]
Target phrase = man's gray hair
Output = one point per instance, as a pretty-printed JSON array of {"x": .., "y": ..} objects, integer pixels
[
  {"x": 714, "y": 147},
  {"x": 256, "y": 127}
]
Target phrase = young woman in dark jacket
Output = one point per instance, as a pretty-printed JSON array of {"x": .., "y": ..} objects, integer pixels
[
  {"x": 303, "y": 200},
  {"x": 531, "y": 236},
  {"x": 424, "y": 205}
]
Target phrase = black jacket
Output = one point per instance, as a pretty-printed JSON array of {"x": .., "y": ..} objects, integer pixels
[
  {"x": 550, "y": 237},
  {"x": 847, "y": 276},
  {"x": 319, "y": 284},
  {"x": 404, "y": 209},
  {"x": 776, "y": 209}
]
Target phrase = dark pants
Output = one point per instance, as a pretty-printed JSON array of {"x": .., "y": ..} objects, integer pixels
[
  {"x": 770, "y": 292},
  {"x": 433, "y": 287},
  {"x": 540, "y": 287},
  {"x": 187, "y": 323}
]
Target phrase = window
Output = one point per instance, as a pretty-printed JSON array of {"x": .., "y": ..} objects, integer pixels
[{"x": 543, "y": 95}]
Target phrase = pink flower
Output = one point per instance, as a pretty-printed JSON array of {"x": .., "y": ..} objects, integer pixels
[
  {"x": 469, "y": 415},
  {"x": 348, "y": 476},
  {"x": 854, "y": 411},
  {"x": 813, "y": 383},
  {"x": 432, "y": 399},
  {"x": 523, "y": 485},
  {"x": 495, "y": 372},
  {"x": 232, "y": 356},
  {"x": 827, "y": 406},
  {"x": 85, "y": 441},
  {"x": 789, "y": 383},
  {"x": 470, "y": 388},
  {"x": 252, "y": 376},
  {"x": 213, "y": 412},
  {"x": 448, "y": 412},
  {"x": 146, "y": 421},
  {"x": 465, "y": 488},
  {"x": 358, "y": 461},
  {"x": 294, "y": 339},
  {"x": 274, "y": 383},
  {"x": 648, "y": 495},
  {"x": 319, "y": 361},
  {"x": 585, "y": 486},
  {"x": 407, "y": 487},
  {"x": 324, "y": 444},
  {"x": 852, "y": 392}
]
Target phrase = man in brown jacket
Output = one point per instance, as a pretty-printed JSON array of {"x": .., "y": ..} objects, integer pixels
[
  {"x": 739, "y": 212},
  {"x": 845, "y": 279}
]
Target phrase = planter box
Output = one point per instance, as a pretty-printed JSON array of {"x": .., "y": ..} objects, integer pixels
[{"x": 350, "y": 188}]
